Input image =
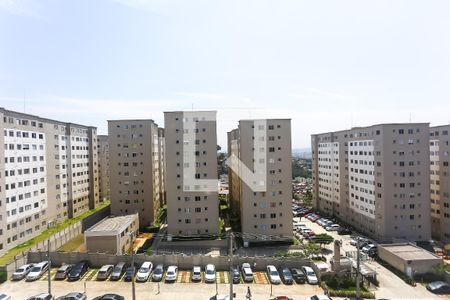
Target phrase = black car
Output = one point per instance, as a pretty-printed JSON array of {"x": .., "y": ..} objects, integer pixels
[
  {"x": 129, "y": 273},
  {"x": 78, "y": 270},
  {"x": 236, "y": 276},
  {"x": 298, "y": 276},
  {"x": 110, "y": 297},
  {"x": 286, "y": 276},
  {"x": 344, "y": 231},
  {"x": 439, "y": 287},
  {"x": 363, "y": 244}
]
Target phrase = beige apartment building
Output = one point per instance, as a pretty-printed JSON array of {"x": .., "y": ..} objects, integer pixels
[
  {"x": 376, "y": 179},
  {"x": 440, "y": 182},
  {"x": 48, "y": 173},
  {"x": 191, "y": 172},
  {"x": 103, "y": 167},
  {"x": 134, "y": 167},
  {"x": 264, "y": 148}
]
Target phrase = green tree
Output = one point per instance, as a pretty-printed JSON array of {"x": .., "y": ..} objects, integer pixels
[
  {"x": 307, "y": 199},
  {"x": 323, "y": 239},
  {"x": 312, "y": 249}
]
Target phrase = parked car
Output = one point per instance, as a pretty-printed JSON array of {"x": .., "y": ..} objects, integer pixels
[
  {"x": 344, "y": 231},
  {"x": 158, "y": 273},
  {"x": 247, "y": 273},
  {"x": 236, "y": 275},
  {"x": 220, "y": 297},
  {"x": 210, "y": 273},
  {"x": 5, "y": 297},
  {"x": 110, "y": 297},
  {"x": 62, "y": 272},
  {"x": 73, "y": 296},
  {"x": 273, "y": 274},
  {"x": 354, "y": 241},
  {"x": 332, "y": 227},
  {"x": 310, "y": 275},
  {"x": 118, "y": 271},
  {"x": 298, "y": 275},
  {"x": 144, "y": 271},
  {"x": 78, "y": 270},
  {"x": 129, "y": 273},
  {"x": 171, "y": 274},
  {"x": 37, "y": 271},
  {"x": 22, "y": 272},
  {"x": 319, "y": 297},
  {"x": 41, "y": 296},
  {"x": 281, "y": 298},
  {"x": 369, "y": 247},
  {"x": 439, "y": 287},
  {"x": 286, "y": 276},
  {"x": 104, "y": 272},
  {"x": 196, "y": 273}
]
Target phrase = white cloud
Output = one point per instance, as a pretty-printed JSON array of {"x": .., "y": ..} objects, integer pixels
[{"x": 19, "y": 8}]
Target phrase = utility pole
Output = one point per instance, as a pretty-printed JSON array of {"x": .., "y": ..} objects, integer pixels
[
  {"x": 49, "y": 268},
  {"x": 230, "y": 257},
  {"x": 358, "y": 289},
  {"x": 133, "y": 276}
]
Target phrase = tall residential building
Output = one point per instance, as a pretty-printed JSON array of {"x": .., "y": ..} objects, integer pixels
[
  {"x": 191, "y": 172},
  {"x": 48, "y": 173},
  {"x": 440, "y": 182},
  {"x": 134, "y": 166},
  {"x": 162, "y": 166},
  {"x": 103, "y": 167},
  {"x": 264, "y": 148},
  {"x": 375, "y": 178}
]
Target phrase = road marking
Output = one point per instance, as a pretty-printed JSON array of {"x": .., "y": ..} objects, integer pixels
[{"x": 261, "y": 278}]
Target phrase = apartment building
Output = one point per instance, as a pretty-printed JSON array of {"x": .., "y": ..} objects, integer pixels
[
  {"x": 103, "y": 166},
  {"x": 134, "y": 168},
  {"x": 262, "y": 196},
  {"x": 440, "y": 182},
  {"x": 48, "y": 173},
  {"x": 191, "y": 172},
  {"x": 375, "y": 178}
]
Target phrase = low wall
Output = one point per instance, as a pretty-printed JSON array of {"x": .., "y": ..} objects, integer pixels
[
  {"x": 95, "y": 217},
  {"x": 196, "y": 244},
  {"x": 183, "y": 262}
]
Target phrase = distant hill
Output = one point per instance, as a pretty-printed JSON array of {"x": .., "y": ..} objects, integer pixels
[{"x": 302, "y": 152}]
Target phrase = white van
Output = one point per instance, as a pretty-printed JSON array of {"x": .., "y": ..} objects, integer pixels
[{"x": 37, "y": 271}]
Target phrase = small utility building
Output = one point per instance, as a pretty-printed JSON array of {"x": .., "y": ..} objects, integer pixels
[
  {"x": 408, "y": 258},
  {"x": 112, "y": 235}
]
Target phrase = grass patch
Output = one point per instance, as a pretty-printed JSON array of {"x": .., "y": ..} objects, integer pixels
[
  {"x": 9, "y": 256},
  {"x": 73, "y": 245}
]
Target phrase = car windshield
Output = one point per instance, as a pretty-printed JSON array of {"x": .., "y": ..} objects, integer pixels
[
  {"x": 310, "y": 273},
  {"x": 158, "y": 271},
  {"x": 18, "y": 270},
  {"x": 117, "y": 269},
  {"x": 286, "y": 273},
  {"x": 273, "y": 273},
  {"x": 36, "y": 269},
  {"x": 61, "y": 271},
  {"x": 143, "y": 270},
  {"x": 170, "y": 273},
  {"x": 209, "y": 272}
]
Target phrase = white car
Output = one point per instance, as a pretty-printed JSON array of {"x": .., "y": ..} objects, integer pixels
[
  {"x": 273, "y": 274},
  {"x": 5, "y": 297},
  {"x": 171, "y": 274},
  {"x": 22, "y": 272},
  {"x": 310, "y": 275},
  {"x": 144, "y": 271},
  {"x": 332, "y": 227},
  {"x": 210, "y": 273},
  {"x": 37, "y": 271},
  {"x": 247, "y": 272},
  {"x": 318, "y": 297},
  {"x": 220, "y": 297}
]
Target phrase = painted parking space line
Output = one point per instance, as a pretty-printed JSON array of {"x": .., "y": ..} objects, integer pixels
[
  {"x": 220, "y": 277},
  {"x": 261, "y": 278},
  {"x": 184, "y": 277},
  {"x": 91, "y": 275},
  {"x": 52, "y": 274}
]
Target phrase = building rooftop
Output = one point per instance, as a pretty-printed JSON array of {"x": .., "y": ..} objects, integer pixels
[
  {"x": 113, "y": 224},
  {"x": 409, "y": 252}
]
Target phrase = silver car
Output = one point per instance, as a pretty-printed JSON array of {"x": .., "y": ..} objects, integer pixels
[
  {"x": 22, "y": 272},
  {"x": 73, "y": 296}
]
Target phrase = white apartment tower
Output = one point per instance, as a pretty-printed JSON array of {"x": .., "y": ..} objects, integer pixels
[
  {"x": 191, "y": 172},
  {"x": 440, "y": 182},
  {"x": 48, "y": 173},
  {"x": 103, "y": 167},
  {"x": 264, "y": 148},
  {"x": 376, "y": 179}
]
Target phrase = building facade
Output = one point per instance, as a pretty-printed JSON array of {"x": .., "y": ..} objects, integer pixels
[
  {"x": 191, "y": 172},
  {"x": 103, "y": 167},
  {"x": 440, "y": 182},
  {"x": 376, "y": 179},
  {"x": 49, "y": 172},
  {"x": 134, "y": 167},
  {"x": 263, "y": 147}
]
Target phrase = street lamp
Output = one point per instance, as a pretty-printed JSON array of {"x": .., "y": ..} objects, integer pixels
[{"x": 133, "y": 277}]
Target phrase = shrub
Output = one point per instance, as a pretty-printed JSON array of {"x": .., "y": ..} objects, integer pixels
[{"x": 3, "y": 277}]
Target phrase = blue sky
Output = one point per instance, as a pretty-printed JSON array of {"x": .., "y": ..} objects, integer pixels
[{"x": 328, "y": 65}]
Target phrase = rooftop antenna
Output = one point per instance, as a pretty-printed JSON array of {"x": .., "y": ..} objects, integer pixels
[
  {"x": 192, "y": 106},
  {"x": 24, "y": 96},
  {"x": 410, "y": 118}
]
